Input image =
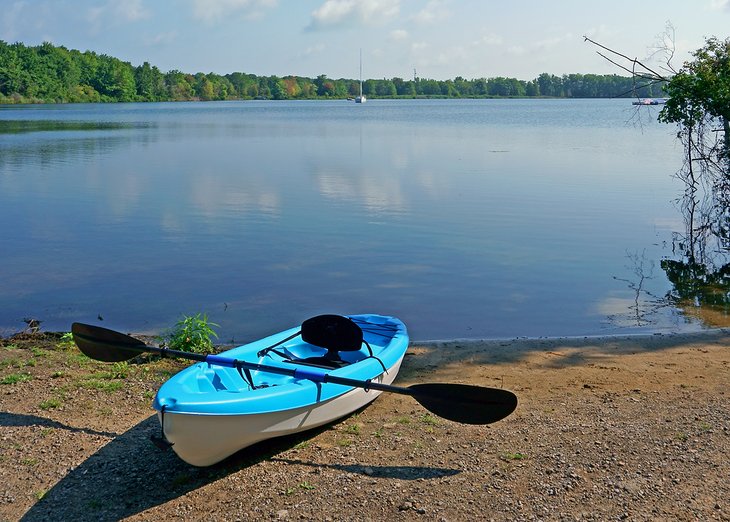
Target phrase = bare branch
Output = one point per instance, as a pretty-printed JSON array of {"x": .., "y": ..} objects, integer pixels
[{"x": 633, "y": 61}]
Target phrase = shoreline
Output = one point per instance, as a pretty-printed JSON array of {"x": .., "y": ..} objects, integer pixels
[{"x": 711, "y": 332}]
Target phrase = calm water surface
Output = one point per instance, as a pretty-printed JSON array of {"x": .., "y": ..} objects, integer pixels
[{"x": 465, "y": 218}]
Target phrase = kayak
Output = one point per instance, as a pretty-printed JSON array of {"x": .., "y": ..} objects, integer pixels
[{"x": 209, "y": 411}]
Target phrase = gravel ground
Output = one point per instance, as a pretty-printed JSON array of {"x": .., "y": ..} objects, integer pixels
[{"x": 634, "y": 428}]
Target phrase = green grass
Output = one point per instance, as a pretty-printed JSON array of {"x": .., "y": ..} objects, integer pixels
[
  {"x": 345, "y": 442},
  {"x": 12, "y": 363},
  {"x": 15, "y": 378},
  {"x": 429, "y": 419},
  {"x": 353, "y": 429},
  {"x": 104, "y": 385},
  {"x": 514, "y": 456},
  {"x": 39, "y": 352},
  {"x": 50, "y": 404}
]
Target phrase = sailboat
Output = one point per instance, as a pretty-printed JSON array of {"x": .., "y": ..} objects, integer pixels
[{"x": 361, "y": 98}]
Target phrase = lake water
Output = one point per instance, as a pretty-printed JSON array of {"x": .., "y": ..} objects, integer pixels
[{"x": 465, "y": 218}]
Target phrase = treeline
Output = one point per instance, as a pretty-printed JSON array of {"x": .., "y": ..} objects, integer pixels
[{"x": 54, "y": 74}]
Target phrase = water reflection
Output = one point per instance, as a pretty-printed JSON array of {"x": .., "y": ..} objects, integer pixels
[
  {"x": 700, "y": 276},
  {"x": 644, "y": 307}
]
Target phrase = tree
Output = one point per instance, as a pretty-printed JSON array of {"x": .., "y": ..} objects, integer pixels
[
  {"x": 115, "y": 79},
  {"x": 150, "y": 83},
  {"x": 700, "y": 94}
]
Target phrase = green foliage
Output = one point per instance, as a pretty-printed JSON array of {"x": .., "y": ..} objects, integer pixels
[
  {"x": 697, "y": 285},
  {"x": 192, "y": 334},
  {"x": 46, "y": 73},
  {"x": 701, "y": 87}
]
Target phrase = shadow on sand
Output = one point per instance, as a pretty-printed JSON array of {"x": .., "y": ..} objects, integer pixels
[
  {"x": 19, "y": 419},
  {"x": 138, "y": 475}
]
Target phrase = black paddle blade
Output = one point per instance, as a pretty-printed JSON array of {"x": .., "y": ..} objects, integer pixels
[
  {"x": 465, "y": 403},
  {"x": 105, "y": 345}
]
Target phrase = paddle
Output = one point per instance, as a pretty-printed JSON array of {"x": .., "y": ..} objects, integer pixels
[{"x": 463, "y": 403}]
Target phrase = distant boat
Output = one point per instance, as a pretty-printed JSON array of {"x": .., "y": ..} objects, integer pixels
[
  {"x": 361, "y": 98},
  {"x": 649, "y": 101}
]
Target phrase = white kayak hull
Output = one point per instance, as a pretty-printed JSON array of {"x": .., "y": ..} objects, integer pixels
[{"x": 203, "y": 440}]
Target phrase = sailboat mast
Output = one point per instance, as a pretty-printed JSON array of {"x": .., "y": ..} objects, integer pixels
[
  {"x": 361, "y": 72},
  {"x": 361, "y": 98}
]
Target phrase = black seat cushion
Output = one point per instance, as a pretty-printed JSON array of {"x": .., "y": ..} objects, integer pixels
[{"x": 333, "y": 332}]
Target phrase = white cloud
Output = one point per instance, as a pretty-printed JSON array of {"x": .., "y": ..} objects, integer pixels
[
  {"x": 398, "y": 35},
  {"x": 435, "y": 11},
  {"x": 720, "y": 5},
  {"x": 211, "y": 11},
  {"x": 489, "y": 39},
  {"x": 161, "y": 38},
  {"x": 130, "y": 10},
  {"x": 312, "y": 50},
  {"x": 548, "y": 43},
  {"x": 336, "y": 13},
  {"x": 114, "y": 12}
]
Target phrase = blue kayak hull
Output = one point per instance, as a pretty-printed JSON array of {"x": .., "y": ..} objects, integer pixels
[{"x": 209, "y": 412}]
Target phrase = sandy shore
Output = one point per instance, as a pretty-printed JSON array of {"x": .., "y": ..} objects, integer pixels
[{"x": 634, "y": 428}]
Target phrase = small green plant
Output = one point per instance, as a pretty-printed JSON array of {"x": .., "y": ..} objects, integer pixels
[
  {"x": 12, "y": 363},
  {"x": 38, "y": 352},
  {"x": 15, "y": 378},
  {"x": 66, "y": 342},
  {"x": 50, "y": 404},
  {"x": 429, "y": 419},
  {"x": 192, "y": 334},
  {"x": 353, "y": 429},
  {"x": 306, "y": 485},
  {"x": 514, "y": 456},
  {"x": 105, "y": 385},
  {"x": 345, "y": 442}
]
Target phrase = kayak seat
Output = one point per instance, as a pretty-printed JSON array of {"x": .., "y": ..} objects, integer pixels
[{"x": 334, "y": 333}]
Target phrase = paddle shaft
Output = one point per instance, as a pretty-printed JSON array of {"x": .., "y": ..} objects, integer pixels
[
  {"x": 302, "y": 372},
  {"x": 464, "y": 403}
]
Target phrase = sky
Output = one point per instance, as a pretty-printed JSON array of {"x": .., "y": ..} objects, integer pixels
[{"x": 437, "y": 39}]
